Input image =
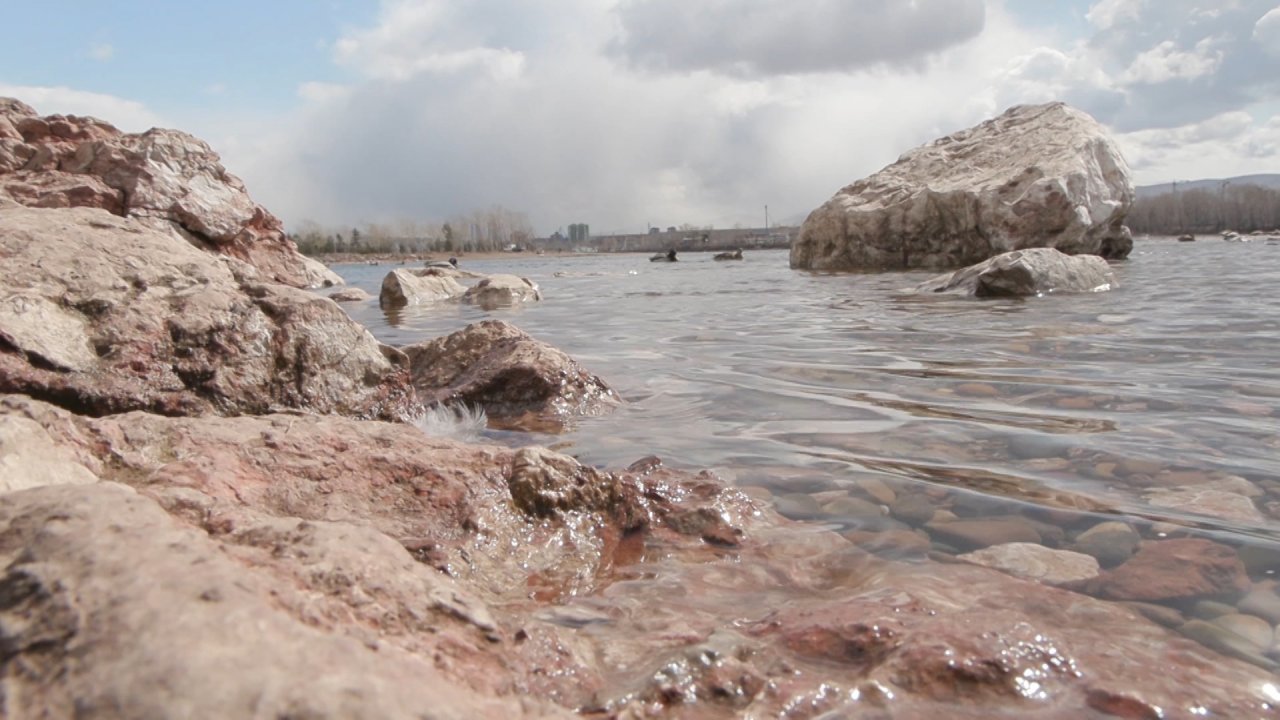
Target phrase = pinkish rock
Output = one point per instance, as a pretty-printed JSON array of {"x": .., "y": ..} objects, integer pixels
[
  {"x": 519, "y": 381},
  {"x": 1181, "y": 569},
  {"x": 407, "y": 570},
  {"x": 105, "y": 314},
  {"x": 162, "y": 176}
]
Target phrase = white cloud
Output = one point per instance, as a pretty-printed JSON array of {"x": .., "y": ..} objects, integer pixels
[
  {"x": 319, "y": 92},
  {"x": 1166, "y": 62},
  {"x": 1107, "y": 14},
  {"x": 1266, "y": 32},
  {"x": 766, "y": 37},
  {"x": 127, "y": 115},
  {"x": 421, "y": 37},
  {"x": 1225, "y": 145},
  {"x": 101, "y": 52}
]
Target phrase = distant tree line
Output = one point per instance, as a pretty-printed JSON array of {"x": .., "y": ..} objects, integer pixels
[
  {"x": 494, "y": 228},
  {"x": 1243, "y": 208}
]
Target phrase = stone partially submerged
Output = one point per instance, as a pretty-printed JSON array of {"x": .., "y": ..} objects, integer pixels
[
  {"x": 517, "y": 380},
  {"x": 1027, "y": 273},
  {"x": 409, "y": 287},
  {"x": 1037, "y": 176},
  {"x": 500, "y": 291}
]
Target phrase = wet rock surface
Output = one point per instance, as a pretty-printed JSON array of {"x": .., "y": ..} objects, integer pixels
[
  {"x": 1036, "y": 176},
  {"x": 517, "y": 380},
  {"x": 1027, "y": 273},
  {"x": 414, "y": 570}
]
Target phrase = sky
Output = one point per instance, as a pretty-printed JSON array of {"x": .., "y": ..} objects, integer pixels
[{"x": 630, "y": 113}]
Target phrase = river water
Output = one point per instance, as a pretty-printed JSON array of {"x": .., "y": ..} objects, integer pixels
[{"x": 1155, "y": 403}]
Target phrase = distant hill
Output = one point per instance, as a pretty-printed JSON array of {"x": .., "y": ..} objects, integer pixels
[{"x": 1271, "y": 181}]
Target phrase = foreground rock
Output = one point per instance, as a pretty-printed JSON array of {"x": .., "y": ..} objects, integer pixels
[
  {"x": 418, "y": 575},
  {"x": 517, "y": 380},
  {"x": 1037, "y": 176},
  {"x": 1027, "y": 273},
  {"x": 162, "y": 177},
  {"x": 104, "y": 314}
]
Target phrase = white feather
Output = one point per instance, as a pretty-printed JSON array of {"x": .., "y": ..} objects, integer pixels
[{"x": 456, "y": 423}]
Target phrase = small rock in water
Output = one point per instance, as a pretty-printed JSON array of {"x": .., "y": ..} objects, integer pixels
[
  {"x": 1263, "y": 601},
  {"x": 1226, "y": 642},
  {"x": 1209, "y": 609},
  {"x": 1168, "y": 570},
  {"x": 1158, "y": 614},
  {"x": 1254, "y": 629},
  {"x": 1110, "y": 542},
  {"x": 913, "y": 509},
  {"x": 1036, "y": 562},
  {"x": 984, "y": 532}
]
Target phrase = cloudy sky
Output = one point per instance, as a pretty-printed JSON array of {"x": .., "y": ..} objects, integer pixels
[{"x": 624, "y": 113}]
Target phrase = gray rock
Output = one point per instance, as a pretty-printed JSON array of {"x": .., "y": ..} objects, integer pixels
[
  {"x": 499, "y": 291},
  {"x": 1262, "y": 600},
  {"x": 405, "y": 287},
  {"x": 351, "y": 294},
  {"x": 1027, "y": 273},
  {"x": 1037, "y": 176},
  {"x": 1111, "y": 542}
]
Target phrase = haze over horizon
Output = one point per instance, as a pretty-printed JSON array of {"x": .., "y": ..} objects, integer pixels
[{"x": 625, "y": 113}]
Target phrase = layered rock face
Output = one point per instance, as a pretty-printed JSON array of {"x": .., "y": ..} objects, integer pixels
[
  {"x": 519, "y": 381},
  {"x": 160, "y": 176},
  {"x": 1036, "y": 176},
  {"x": 1022, "y": 273},
  {"x": 104, "y": 314}
]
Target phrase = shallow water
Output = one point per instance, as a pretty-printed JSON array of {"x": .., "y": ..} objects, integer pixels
[{"x": 811, "y": 386}]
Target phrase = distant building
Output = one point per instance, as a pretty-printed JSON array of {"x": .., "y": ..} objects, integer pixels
[{"x": 579, "y": 233}]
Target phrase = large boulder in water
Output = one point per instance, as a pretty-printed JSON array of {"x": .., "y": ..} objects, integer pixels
[
  {"x": 518, "y": 380},
  {"x": 1037, "y": 176},
  {"x": 163, "y": 177},
  {"x": 1023, "y": 273}
]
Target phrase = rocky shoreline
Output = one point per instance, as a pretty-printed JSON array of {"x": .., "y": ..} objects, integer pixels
[{"x": 214, "y": 505}]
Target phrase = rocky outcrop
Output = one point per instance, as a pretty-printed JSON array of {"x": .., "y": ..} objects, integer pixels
[
  {"x": 409, "y": 287},
  {"x": 501, "y": 291},
  {"x": 163, "y": 177},
  {"x": 104, "y": 314},
  {"x": 1037, "y": 176},
  {"x": 517, "y": 380},
  {"x": 412, "y": 572},
  {"x": 734, "y": 255},
  {"x": 1027, "y": 273}
]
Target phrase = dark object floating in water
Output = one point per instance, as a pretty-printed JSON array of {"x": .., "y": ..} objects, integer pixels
[
  {"x": 669, "y": 257},
  {"x": 735, "y": 255}
]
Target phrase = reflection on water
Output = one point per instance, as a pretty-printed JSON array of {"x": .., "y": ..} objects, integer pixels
[{"x": 836, "y": 394}]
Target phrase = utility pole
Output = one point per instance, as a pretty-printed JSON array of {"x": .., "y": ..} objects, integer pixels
[{"x": 766, "y": 217}]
